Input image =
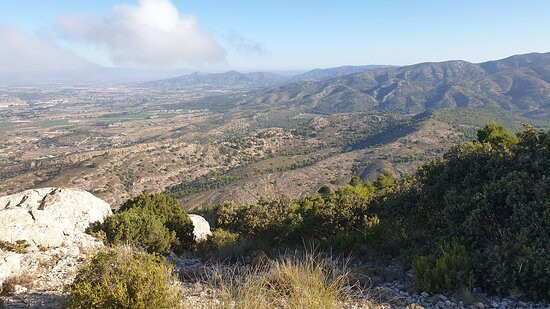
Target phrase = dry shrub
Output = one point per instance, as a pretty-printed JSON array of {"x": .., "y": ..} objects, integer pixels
[
  {"x": 304, "y": 281},
  {"x": 9, "y": 285}
]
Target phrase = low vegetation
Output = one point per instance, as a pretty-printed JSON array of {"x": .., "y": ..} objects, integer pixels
[
  {"x": 448, "y": 269},
  {"x": 120, "y": 277},
  {"x": 19, "y": 246},
  {"x": 303, "y": 281},
  {"x": 477, "y": 217},
  {"x": 154, "y": 222},
  {"x": 491, "y": 196},
  {"x": 10, "y": 284},
  {"x": 488, "y": 198},
  {"x": 316, "y": 219}
]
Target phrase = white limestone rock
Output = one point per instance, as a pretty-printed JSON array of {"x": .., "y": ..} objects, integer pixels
[
  {"x": 53, "y": 222},
  {"x": 51, "y": 217},
  {"x": 201, "y": 227}
]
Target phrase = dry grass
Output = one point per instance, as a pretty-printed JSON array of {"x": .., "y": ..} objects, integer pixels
[
  {"x": 304, "y": 281},
  {"x": 9, "y": 285},
  {"x": 468, "y": 296}
]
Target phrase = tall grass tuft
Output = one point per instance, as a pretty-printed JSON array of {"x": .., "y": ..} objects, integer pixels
[{"x": 304, "y": 281}]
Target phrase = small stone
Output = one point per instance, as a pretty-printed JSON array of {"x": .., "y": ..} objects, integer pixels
[
  {"x": 480, "y": 305},
  {"x": 19, "y": 289},
  {"x": 448, "y": 303},
  {"x": 522, "y": 304},
  {"x": 424, "y": 294}
]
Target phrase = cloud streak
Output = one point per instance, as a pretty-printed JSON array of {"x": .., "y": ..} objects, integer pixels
[
  {"x": 30, "y": 53},
  {"x": 246, "y": 46},
  {"x": 152, "y": 33}
]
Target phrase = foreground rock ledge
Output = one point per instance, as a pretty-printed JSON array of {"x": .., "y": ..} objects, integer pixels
[
  {"x": 53, "y": 222},
  {"x": 51, "y": 217}
]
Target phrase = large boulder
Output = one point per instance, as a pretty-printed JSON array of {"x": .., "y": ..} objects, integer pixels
[
  {"x": 51, "y": 217},
  {"x": 52, "y": 222},
  {"x": 201, "y": 227}
]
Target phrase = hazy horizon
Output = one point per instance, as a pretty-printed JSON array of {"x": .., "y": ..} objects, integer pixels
[{"x": 165, "y": 36}]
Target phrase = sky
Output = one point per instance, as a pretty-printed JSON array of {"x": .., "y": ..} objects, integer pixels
[{"x": 275, "y": 35}]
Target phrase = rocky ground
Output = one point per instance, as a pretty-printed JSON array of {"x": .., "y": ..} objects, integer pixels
[
  {"x": 385, "y": 285},
  {"x": 43, "y": 242}
]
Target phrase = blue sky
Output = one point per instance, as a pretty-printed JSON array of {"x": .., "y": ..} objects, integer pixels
[{"x": 283, "y": 35}]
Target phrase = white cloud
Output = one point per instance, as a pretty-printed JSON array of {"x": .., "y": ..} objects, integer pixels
[
  {"x": 153, "y": 33},
  {"x": 23, "y": 52},
  {"x": 246, "y": 46}
]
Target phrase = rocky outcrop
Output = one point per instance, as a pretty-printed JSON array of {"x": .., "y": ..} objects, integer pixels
[
  {"x": 51, "y": 224},
  {"x": 201, "y": 227},
  {"x": 51, "y": 217}
]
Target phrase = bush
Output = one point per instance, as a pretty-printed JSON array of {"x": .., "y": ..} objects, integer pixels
[
  {"x": 154, "y": 222},
  {"x": 8, "y": 287},
  {"x": 138, "y": 228},
  {"x": 492, "y": 196},
  {"x": 516, "y": 265},
  {"x": 122, "y": 278},
  {"x": 385, "y": 180},
  {"x": 323, "y": 219},
  {"x": 448, "y": 269},
  {"x": 496, "y": 134},
  {"x": 221, "y": 243},
  {"x": 274, "y": 220},
  {"x": 324, "y": 190}
]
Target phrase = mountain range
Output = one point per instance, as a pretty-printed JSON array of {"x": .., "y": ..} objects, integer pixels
[
  {"x": 253, "y": 80},
  {"x": 519, "y": 83},
  {"x": 227, "y": 79}
]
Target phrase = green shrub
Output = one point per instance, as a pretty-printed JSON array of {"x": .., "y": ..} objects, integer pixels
[
  {"x": 448, "y": 269},
  {"x": 170, "y": 212},
  {"x": 352, "y": 242},
  {"x": 491, "y": 196},
  {"x": 385, "y": 180},
  {"x": 276, "y": 220},
  {"x": 316, "y": 219},
  {"x": 137, "y": 228},
  {"x": 19, "y": 246},
  {"x": 340, "y": 213},
  {"x": 497, "y": 135},
  {"x": 516, "y": 266},
  {"x": 220, "y": 243},
  {"x": 154, "y": 222},
  {"x": 123, "y": 278},
  {"x": 221, "y": 237},
  {"x": 355, "y": 181},
  {"x": 324, "y": 190}
]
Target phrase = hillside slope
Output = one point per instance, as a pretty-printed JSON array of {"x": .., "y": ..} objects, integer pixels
[{"x": 518, "y": 83}]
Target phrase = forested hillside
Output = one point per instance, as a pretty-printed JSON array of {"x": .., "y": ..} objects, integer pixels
[{"x": 519, "y": 83}]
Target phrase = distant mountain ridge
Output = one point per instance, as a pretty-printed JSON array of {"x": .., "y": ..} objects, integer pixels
[
  {"x": 254, "y": 79},
  {"x": 227, "y": 79},
  {"x": 519, "y": 83},
  {"x": 318, "y": 74}
]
